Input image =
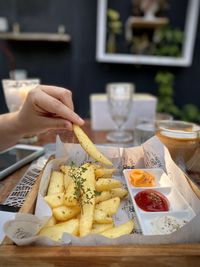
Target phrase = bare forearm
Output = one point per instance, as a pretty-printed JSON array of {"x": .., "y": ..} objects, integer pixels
[
  {"x": 45, "y": 108},
  {"x": 10, "y": 131}
]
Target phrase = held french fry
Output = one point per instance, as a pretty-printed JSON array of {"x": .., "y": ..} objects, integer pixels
[
  {"x": 123, "y": 229},
  {"x": 88, "y": 200},
  {"x": 110, "y": 206},
  {"x": 56, "y": 200},
  {"x": 64, "y": 213},
  {"x": 55, "y": 232},
  {"x": 89, "y": 147},
  {"x": 56, "y": 184},
  {"x": 106, "y": 184}
]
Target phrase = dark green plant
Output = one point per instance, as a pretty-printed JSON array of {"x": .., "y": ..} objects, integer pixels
[
  {"x": 165, "y": 81},
  {"x": 168, "y": 42},
  {"x": 114, "y": 27},
  {"x": 114, "y": 23},
  {"x": 190, "y": 113}
]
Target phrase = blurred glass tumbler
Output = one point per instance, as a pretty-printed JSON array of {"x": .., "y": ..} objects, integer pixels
[
  {"x": 15, "y": 92},
  {"x": 163, "y": 117},
  {"x": 181, "y": 138},
  {"x": 145, "y": 128},
  {"x": 120, "y": 97}
]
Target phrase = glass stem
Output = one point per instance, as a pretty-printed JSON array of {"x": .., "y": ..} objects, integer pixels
[{"x": 120, "y": 128}]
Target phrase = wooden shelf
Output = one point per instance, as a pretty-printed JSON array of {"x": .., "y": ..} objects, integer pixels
[
  {"x": 30, "y": 36},
  {"x": 141, "y": 22}
]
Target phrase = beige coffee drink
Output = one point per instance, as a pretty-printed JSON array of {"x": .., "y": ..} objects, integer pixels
[{"x": 181, "y": 138}]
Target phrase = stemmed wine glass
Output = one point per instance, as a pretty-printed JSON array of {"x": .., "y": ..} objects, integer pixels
[{"x": 119, "y": 103}]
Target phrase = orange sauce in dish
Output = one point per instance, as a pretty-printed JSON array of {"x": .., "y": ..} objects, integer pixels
[{"x": 141, "y": 178}]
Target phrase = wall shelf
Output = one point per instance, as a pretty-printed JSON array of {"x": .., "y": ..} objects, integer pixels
[
  {"x": 36, "y": 36},
  {"x": 133, "y": 23},
  {"x": 140, "y": 22}
]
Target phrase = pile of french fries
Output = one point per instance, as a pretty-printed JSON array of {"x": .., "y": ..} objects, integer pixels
[{"x": 84, "y": 199}]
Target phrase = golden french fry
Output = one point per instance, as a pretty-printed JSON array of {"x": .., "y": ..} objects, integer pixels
[
  {"x": 56, "y": 184},
  {"x": 71, "y": 226},
  {"x": 101, "y": 217},
  {"x": 56, "y": 200},
  {"x": 67, "y": 180},
  {"x": 96, "y": 166},
  {"x": 51, "y": 222},
  {"x": 64, "y": 213},
  {"x": 99, "y": 228},
  {"x": 104, "y": 173},
  {"x": 70, "y": 199},
  {"x": 88, "y": 200},
  {"x": 104, "y": 195},
  {"x": 89, "y": 147},
  {"x": 109, "y": 206},
  {"x": 106, "y": 184},
  {"x": 118, "y": 192},
  {"x": 55, "y": 232},
  {"x": 67, "y": 170},
  {"x": 123, "y": 229}
]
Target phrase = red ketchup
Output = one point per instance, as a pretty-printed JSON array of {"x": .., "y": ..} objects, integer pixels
[{"x": 151, "y": 200}]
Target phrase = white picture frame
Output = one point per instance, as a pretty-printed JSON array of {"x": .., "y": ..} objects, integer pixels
[{"x": 187, "y": 50}]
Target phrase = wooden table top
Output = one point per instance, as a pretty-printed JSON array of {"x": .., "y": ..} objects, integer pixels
[{"x": 115, "y": 256}]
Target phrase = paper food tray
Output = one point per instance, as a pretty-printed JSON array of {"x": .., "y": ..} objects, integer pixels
[{"x": 151, "y": 155}]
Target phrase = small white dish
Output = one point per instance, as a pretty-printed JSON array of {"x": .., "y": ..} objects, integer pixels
[
  {"x": 149, "y": 227},
  {"x": 175, "y": 199},
  {"x": 161, "y": 178}
]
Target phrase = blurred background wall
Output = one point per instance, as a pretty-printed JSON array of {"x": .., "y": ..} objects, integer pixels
[{"x": 74, "y": 65}]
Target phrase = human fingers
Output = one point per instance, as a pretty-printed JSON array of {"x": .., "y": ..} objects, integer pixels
[
  {"x": 55, "y": 107},
  {"x": 62, "y": 94},
  {"x": 56, "y": 123}
]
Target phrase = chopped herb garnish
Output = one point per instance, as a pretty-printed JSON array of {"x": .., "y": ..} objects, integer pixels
[{"x": 82, "y": 195}]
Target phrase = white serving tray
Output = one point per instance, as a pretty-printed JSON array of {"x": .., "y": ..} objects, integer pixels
[{"x": 178, "y": 206}]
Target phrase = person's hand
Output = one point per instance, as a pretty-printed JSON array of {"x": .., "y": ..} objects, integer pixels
[{"x": 45, "y": 108}]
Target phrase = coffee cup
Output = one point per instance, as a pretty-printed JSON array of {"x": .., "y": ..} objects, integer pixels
[{"x": 181, "y": 138}]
